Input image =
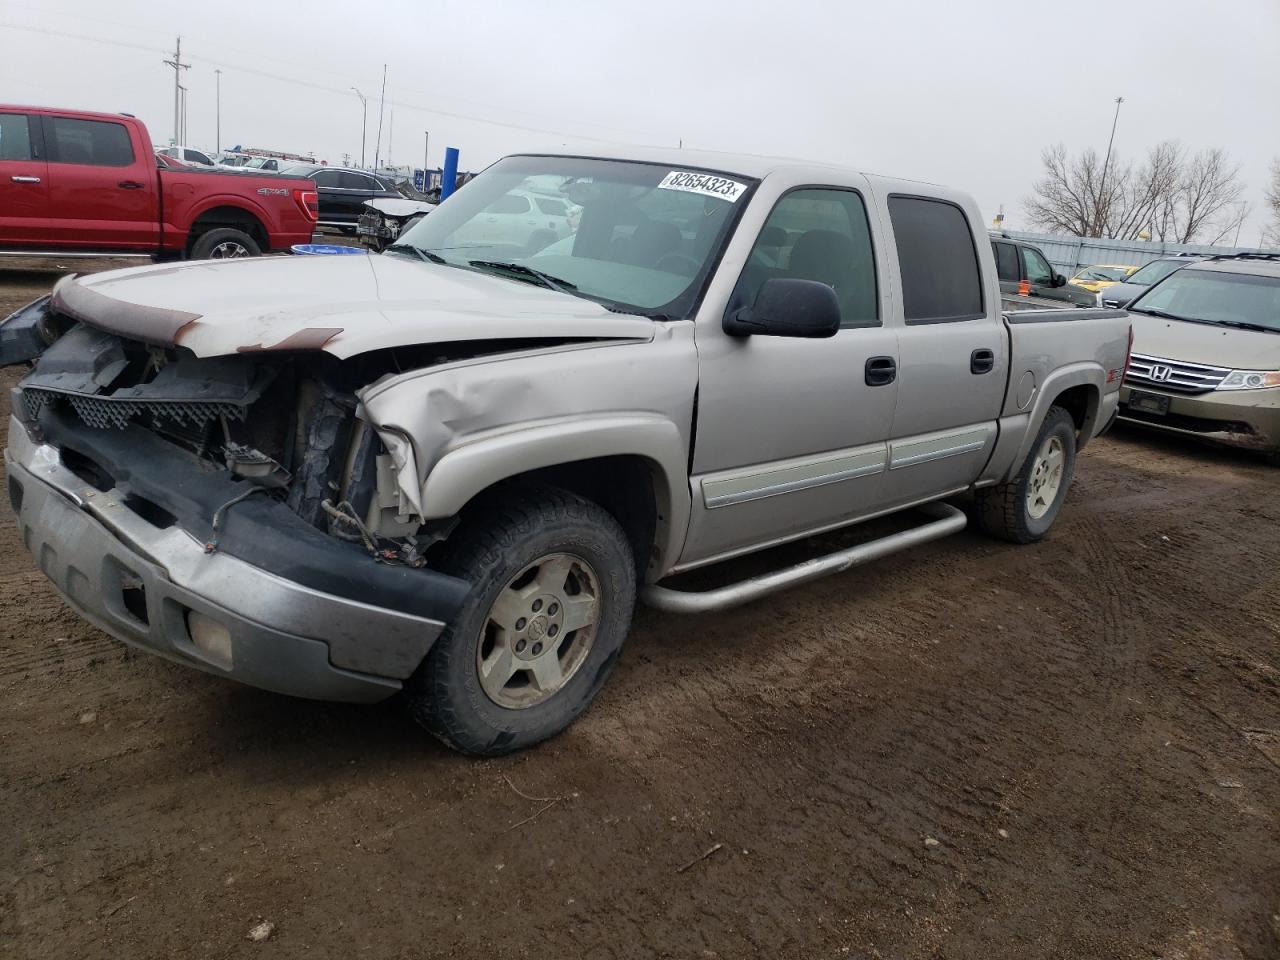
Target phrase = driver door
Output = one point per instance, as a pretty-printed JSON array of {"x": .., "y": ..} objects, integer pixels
[{"x": 792, "y": 433}]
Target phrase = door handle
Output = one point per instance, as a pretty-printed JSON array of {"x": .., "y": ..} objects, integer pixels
[
  {"x": 982, "y": 361},
  {"x": 881, "y": 371},
  {"x": 25, "y": 179},
  {"x": 129, "y": 185}
]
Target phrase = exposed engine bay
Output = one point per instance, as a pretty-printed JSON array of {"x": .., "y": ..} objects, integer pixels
[{"x": 286, "y": 425}]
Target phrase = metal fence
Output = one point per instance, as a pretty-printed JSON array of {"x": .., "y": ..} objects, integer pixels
[{"x": 1069, "y": 254}]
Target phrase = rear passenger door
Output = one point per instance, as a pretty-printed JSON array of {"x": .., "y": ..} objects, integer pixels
[
  {"x": 953, "y": 351},
  {"x": 791, "y": 432},
  {"x": 1008, "y": 265},
  {"x": 332, "y": 198},
  {"x": 102, "y": 193},
  {"x": 24, "y": 181}
]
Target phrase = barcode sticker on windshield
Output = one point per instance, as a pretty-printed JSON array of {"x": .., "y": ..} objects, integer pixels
[{"x": 704, "y": 184}]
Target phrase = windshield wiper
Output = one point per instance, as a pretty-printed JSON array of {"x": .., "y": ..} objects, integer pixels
[
  {"x": 1246, "y": 325},
  {"x": 1163, "y": 315},
  {"x": 546, "y": 280},
  {"x": 426, "y": 256}
]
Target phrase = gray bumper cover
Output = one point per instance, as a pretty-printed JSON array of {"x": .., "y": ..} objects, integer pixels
[{"x": 142, "y": 585}]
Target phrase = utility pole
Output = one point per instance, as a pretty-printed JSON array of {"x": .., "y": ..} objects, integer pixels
[
  {"x": 178, "y": 67},
  {"x": 217, "y": 137},
  {"x": 364, "y": 122},
  {"x": 382, "y": 105},
  {"x": 1097, "y": 213}
]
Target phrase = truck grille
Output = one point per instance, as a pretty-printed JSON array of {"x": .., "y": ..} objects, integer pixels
[
  {"x": 105, "y": 412},
  {"x": 1175, "y": 375}
]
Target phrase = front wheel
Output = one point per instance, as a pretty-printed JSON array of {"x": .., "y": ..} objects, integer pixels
[
  {"x": 553, "y": 587},
  {"x": 1023, "y": 509}
]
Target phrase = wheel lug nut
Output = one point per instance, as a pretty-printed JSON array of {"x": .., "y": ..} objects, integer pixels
[
  {"x": 520, "y": 623},
  {"x": 519, "y": 646},
  {"x": 537, "y": 605},
  {"x": 537, "y": 649},
  {"x": 553, "y": 609},
  {"x": 553, "y": 629}
]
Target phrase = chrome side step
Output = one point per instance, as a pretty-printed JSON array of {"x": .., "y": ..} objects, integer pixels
[{"x": 948, "y": 520}]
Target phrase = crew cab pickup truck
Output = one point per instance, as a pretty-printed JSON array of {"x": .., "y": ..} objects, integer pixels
[
  {"x": 448, "y": 471},
  {"x": 88, "y": 184}
]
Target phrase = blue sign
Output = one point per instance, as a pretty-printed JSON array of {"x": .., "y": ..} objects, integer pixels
[{"x": 420, "y": 180}]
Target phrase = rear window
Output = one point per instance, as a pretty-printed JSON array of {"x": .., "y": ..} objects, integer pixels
[
  {"x": 511, "y": 203},
  {"x": 97, "y": 143},
  {"x": 938, "y": 261},
  {"x": 551, "y": 207},
  {"x": 15, "y": 138}
]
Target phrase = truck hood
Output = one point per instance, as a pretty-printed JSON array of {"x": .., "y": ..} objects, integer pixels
[
  {"x": 1213, "y": 345},
  {"x": 342, "y": 305}
]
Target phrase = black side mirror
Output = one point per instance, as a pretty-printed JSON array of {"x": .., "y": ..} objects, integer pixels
[
  {"x": 1059, "y": 280},
  {"x": 786, "y": 307}
]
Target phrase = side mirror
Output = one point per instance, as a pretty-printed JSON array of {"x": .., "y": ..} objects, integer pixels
[
  {"x": 1059, "y": 280},
  {"x": 786, "y": 307}
]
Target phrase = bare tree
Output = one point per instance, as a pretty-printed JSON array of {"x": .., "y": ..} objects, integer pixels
[
  {"x": 1272, "y": 234},
  {"x": 1179, "y": 197}
]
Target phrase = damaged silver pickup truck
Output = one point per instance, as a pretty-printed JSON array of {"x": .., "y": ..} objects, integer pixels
[{"x": 447, "y": 471}]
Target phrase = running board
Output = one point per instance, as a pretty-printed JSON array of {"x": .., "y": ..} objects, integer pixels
[
  {"x": 947, "y": 520},
  {"x": 77, "y": 255}
]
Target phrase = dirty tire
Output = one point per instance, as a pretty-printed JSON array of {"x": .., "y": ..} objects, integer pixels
[
  {"x": 496, "y": 540},
  {"x": 210, "y": 242},
  {"x": 1003, "y": 510}
]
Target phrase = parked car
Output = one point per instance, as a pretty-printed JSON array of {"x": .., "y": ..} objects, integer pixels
[
  {"x": 1100, "y": 276},
  {"x": 343, "y": 192},
  {"x": 1122, "y": 294},
  {"x": 188, "y": 155},
  {"x": 385, "y": 218},
  {"x": 88, "y": 183},
  {"x": 1206, "y": 354},
  {"x": 1019, "y": 262},
  {"x": 449, "y": 470}
]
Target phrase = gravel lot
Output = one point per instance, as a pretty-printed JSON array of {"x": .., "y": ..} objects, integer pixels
[{"x": 970, "y": 750}]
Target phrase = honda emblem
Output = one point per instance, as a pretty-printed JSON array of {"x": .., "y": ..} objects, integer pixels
[{"x": 1160, "y": 372}]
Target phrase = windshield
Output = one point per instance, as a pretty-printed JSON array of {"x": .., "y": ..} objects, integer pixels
[
  {"x": 1211, "y": 296},
  {"x": 636, "y": 237},
  {"x": 1157, "y": 270},
  {"x": 1102, "y": 273}
]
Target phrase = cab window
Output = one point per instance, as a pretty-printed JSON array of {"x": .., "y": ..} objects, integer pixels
[
  {"x": 817, "y": 234},
  {"x": 938, "y": 261},
  {"x": 15, "y": 137},
  {"x": 1006, "y": 262},
  {"x": 97, "y": 143},
  {"x": 1038, "y": 269}
]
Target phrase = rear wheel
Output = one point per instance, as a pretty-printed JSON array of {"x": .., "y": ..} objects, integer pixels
[
  {"x": 553, "y": 590},
  {"x": 224, "y": 243},
  {"x": 1023, "y": 509}
]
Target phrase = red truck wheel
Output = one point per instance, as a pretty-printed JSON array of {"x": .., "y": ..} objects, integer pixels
[{"x": 224, "y": 243}]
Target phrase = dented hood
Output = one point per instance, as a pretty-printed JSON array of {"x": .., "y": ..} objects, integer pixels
[{"x": 342, "y": 305}]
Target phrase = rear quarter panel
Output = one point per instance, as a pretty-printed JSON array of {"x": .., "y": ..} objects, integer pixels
[
  {"x": 190, "y": 193},
  {"x": 1053, "y": 351}
]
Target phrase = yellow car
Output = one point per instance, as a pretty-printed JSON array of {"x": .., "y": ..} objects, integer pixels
[{"x": 1102, "y": 275}]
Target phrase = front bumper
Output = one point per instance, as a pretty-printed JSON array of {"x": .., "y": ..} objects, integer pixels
[
  {"x": 1249, "y": 419},
  {"x": 152, "y": 585}
]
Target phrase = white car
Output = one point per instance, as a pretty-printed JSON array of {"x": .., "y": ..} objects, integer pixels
[
  {"x": 521, "y": 218},
  {"x": 187, "y": 155}
]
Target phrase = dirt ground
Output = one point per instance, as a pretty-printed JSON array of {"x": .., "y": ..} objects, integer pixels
[{"x": 970, "y": 750}]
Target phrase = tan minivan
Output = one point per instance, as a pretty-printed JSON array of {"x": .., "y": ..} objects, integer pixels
[{"x": 1206, "y": 354}]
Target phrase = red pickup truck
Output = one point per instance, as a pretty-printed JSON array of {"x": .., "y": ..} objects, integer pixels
[{"x": 75, "y": 183}]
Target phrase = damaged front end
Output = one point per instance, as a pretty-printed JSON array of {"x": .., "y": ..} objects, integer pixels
[{"x": 236, "y": 513}]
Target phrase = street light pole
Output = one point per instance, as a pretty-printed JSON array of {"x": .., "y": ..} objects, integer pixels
[
  {"x": 364, "y": 124},
  {"x": 1097, "y": 213},
  {"x": 217, "y": 137}
]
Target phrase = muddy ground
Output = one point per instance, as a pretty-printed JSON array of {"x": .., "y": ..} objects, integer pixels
[{"x": 970, "y": 750}]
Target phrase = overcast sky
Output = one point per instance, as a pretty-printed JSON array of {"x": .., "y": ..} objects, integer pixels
[{"x": 961, "y": 93}]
